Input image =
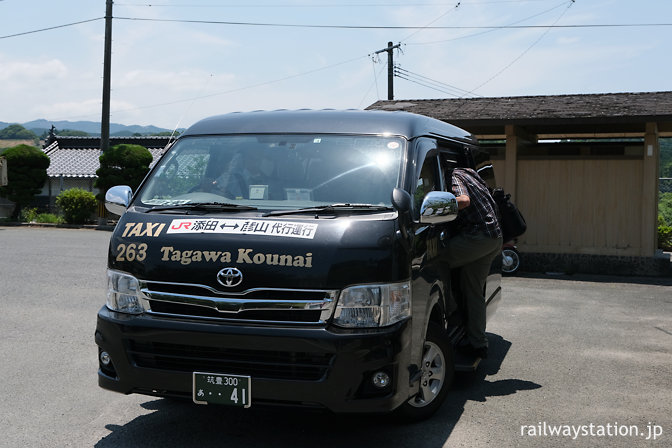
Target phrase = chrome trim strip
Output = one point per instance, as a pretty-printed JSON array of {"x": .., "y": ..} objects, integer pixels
[{"x": 330, "y": 292}]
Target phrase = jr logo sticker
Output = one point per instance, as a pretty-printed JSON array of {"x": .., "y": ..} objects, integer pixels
[{"x": 244, "y": 227}]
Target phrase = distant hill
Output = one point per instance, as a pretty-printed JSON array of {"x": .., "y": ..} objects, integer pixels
[{"x": 90, "y": 127}]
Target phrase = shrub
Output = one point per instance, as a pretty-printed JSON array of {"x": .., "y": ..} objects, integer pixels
[
  {"x": 665, "y": 237},
  {"x": 29, "y": 214},
  {"x": 27, "y": 172},
  {"x": 77, "y": 205},
  {"x": 665, "y": 207},
  {"x": 49, "y": 218}
]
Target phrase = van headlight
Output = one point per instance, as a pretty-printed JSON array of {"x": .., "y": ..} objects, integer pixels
[
  {"x": 367, "y": 306},
  {"x": 123, "y": 293}
]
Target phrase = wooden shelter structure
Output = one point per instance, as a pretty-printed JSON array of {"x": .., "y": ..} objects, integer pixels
[{"x": 583, "y": 168}]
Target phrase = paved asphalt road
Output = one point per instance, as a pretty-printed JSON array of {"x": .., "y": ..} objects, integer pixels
[{"x": 577, "y": 351}]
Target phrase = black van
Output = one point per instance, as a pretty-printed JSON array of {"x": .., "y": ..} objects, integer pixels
[{"x": 290, "y": 258}]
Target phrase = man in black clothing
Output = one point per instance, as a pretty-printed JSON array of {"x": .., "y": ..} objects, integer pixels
[{"x": 473, "y": 249}]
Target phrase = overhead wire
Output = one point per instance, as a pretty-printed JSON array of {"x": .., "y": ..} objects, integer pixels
[
  {"x": 401, "y": 73},
  {"x": 382, "y": 27},
  {"x": 434, "y": 21},
  {"x": 311, "y": 4},
  {"x": 375, "y": 82},
  {"x": 571, "y": 3},
  {"x": 406, "y": 76},
  {"x": 560, "y": 5},
  {"x": 409, "y": 76},
  {"x": 51, "y": 28},
  {"x": 240, "y": 89},
  {"x": 351, "y": 27},
  {"x": 431, "y": 83}
]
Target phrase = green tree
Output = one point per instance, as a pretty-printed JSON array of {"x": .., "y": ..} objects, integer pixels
[
  {"x": 72, "y": 133},
  {"x": 26, "y": 173},
  {"x": 666, "y": 157},
  {"x": 65, "y": 133},
  {"x": 17, "y": 132},
  {"x": 665, "y": 207},
  {"x": 77, "y": 205},
  {"x": 122, "y": 165}
]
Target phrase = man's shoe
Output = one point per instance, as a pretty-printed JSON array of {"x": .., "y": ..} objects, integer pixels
[
  {"x": 481, "y": 352},
  {"x": 470, "y": 350}
]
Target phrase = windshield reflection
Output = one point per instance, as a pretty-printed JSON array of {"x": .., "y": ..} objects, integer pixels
[{"x": 277, "y": 171}]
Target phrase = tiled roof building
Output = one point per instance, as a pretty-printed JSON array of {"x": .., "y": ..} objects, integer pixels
[
  {"x": 74, "y": 160},
  {"x": 79, "y": 156}
]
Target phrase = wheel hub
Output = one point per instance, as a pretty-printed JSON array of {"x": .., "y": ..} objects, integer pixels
[{"x": 433, "y": 373}]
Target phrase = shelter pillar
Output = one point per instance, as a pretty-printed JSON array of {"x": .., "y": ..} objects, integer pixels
[
  {"x": 516, "y": 138},
  {"x": 649, "y": 204}
]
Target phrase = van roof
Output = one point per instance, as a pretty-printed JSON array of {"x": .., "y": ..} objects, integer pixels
[{"x": 367, "y": 122}]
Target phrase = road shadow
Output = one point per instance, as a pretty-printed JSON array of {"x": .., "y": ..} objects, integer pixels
[{"x": 184, "y": 424}]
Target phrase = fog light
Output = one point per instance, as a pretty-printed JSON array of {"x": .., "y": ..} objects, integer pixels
[
  {"x": 105, "y": 358},
  {"x": 380, "y": 379}
]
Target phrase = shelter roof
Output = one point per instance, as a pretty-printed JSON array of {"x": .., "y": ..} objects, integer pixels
[{"x": 552, "y": 114}]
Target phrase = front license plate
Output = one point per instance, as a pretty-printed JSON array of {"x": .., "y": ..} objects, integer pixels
[{"x": 218, "y": 388}]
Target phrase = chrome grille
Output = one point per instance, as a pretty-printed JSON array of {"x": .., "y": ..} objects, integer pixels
[{"x": 267, "y": 305}]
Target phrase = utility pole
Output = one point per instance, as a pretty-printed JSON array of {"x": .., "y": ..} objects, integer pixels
[
  {"x": 390, "y": 68},
  {"x": 107, "y": 63}
]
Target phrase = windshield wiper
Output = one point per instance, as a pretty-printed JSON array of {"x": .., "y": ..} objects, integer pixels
[
  {"x": 204, "y": 206},
  {"x": 331, "y": 209}
]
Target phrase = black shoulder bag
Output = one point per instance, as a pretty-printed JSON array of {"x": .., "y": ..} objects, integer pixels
[{"x": 512, "y": 221}]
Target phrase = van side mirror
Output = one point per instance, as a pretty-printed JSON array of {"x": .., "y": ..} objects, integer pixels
[
  {"x": 438, "y": 207},
  {"x": 401, "y": 200},
  {"x": 117, "y": 199}
]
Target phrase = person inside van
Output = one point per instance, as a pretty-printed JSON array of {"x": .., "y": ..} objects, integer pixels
[
  {"x": 250, "y": 175},
  {"x": 473, "y": 249}
]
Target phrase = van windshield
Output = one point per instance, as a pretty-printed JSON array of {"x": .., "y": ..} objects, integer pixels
[{"x": 276, "y": 172}]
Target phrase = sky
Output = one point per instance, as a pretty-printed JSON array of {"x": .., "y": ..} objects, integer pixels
[{"x": 175, "y": 62}]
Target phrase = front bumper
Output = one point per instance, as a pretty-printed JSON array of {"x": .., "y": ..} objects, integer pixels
[{"x": 296, "y": 366}]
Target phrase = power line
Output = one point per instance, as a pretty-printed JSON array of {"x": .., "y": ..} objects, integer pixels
[
  {"x": 374, "y": 83},
  {"x": 431, "y": 83},
  {"x": 240, "y": 89},
  {"x": 51, "y": 28},
  {"x": 440, "y": 86},
  {"x": 527, "y": 49},
  {"x": 382, "y": 27},
  {"x": 454, "y": 91},
  {"x": 428, "y": 86},
  {"x": 352, "y": 27},
  {"x": 313, "y": 5},
  {"x": 454, "y": 8},
  {"x": 564, "y": 3}
]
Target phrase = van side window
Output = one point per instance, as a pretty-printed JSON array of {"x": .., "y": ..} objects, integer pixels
[
  {"x": 481, "y": 163},
  {"x": 427, "y": 181},
  {"x": 448, "y": 163}
]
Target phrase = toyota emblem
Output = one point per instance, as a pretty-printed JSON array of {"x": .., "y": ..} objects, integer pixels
[{"x": 230, "y": 277}]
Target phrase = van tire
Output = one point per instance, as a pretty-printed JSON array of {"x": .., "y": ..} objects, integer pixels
[{"x": 438, "y": 371}]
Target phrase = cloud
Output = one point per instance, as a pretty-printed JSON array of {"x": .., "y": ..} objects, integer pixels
[
  {"x": 28, "y": 73},
  {"x": 175, "y": 82},
  {"x": 211, "y": 40},
  {"x": 74, "y": 109}
]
